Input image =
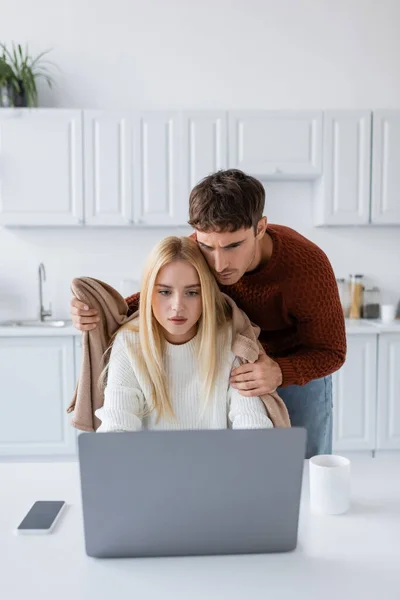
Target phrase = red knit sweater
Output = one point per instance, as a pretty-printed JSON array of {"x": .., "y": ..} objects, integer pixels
[{"x": 294, "y": 300}]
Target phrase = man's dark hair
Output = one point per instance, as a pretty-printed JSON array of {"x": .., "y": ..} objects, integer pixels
[{"x": 226, "y": 201}]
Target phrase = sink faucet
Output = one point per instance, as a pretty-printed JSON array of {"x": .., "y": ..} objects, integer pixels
[{"x": 42, "y": 277}]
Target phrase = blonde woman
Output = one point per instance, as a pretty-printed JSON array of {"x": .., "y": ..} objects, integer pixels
[{"x": 170, "y": 367}]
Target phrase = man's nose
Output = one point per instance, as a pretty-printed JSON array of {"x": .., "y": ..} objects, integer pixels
[{"x": 220, "y": 263}]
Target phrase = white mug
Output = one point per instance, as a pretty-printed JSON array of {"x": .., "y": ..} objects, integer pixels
[
  {"x": 329, "y": 484},
  {"x": 388, "y": 313}
]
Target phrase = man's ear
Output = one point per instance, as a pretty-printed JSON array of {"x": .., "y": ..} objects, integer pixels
[{"x": 261, "y": 227}]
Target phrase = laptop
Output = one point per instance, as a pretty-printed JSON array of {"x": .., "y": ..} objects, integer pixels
[{"x": 185, "y": 493}]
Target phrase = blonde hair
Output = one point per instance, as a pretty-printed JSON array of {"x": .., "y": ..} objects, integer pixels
[{"x": 211, "y": 325}]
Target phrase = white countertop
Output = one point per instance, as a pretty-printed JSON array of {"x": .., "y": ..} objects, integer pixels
[
  {"x": 39, "y": 331},
  {"x": 371, "y": 326},
  {"x": 353, "y": 326},
  {"x": 356, "y": 555}
]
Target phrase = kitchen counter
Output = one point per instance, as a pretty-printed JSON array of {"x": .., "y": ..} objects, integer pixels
[
  {"x": 393, "y": 327},
  {"x": 347, "y": 556},
  {"x": 371, "y": 326},
  {"x": 39, "y": 331},
  {"x": 353, "y": 326}
]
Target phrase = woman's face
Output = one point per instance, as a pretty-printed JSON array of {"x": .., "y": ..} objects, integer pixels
[{"x": 176, "y": 301}]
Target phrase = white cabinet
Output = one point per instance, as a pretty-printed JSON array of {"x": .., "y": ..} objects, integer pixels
[
  {"x": 109, "y": 141},
  {"x": 64, "y": 167},
  {"x": 37, "y": 383},
  {"x": 354, "y": 396},
  {"x": 360, "y": 186},
  {"x": 204, "y": 146},
  {"x": 342, "y": 195},
  {"x": 41, "y": 167},
  {"x": 157, "y": 161},
  {"x": 385, "y": 200},
  {"x": 133, "y": 168},
  {"x": 141, "y": 166},
  {"x": 276, "y": 144},
  {"x": 389, "y": 392}
]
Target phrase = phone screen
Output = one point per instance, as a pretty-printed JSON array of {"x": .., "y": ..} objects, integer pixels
[{"x": 42, "y": 514}]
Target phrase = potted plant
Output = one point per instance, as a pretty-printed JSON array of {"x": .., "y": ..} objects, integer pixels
[
  {"x": 6, "y": 83},
  {"x": 20, "y": 71}
]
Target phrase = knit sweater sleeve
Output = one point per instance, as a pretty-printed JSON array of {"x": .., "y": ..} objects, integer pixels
[
  {"x": 315, "y": 305},
  {"x": 133, "y": 303},
  {"x": 246, "y": 412},
  {"x": 123, "y": 398}
]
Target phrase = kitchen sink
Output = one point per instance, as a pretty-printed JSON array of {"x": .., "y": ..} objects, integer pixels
[{"x": 36, "y": 323}]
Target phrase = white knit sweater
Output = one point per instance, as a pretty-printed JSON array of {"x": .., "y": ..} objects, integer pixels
[{"x": 127, "y": 389}]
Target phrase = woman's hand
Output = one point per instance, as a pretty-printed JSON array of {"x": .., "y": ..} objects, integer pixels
[{"x": 257, "y": 379}]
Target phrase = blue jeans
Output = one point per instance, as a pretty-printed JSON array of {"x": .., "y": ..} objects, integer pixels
[{"x": 310, "y": 406}]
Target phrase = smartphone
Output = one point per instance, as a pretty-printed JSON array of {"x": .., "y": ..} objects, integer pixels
[{"x": 42, "y": 517}]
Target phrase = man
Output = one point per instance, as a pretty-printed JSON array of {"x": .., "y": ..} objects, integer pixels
[{"x": 285, "y": 284}]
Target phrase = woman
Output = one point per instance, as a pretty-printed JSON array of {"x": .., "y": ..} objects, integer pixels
[{"x": 170, "y": 367}]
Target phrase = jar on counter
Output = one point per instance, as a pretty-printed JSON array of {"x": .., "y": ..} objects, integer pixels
[
  {"x": 371, "y": 305},
  {"x": 343, "y": 289},
  {"x": 356, "y": 288}
]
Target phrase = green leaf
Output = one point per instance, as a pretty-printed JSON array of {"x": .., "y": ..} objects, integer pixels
[
  {"x": 16, "y": 65},
  {"x": 7, "y": 53},
  {"x": 39, "y": 57}
]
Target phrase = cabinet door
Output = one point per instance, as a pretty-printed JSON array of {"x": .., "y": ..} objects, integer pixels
[
  {"x": 157, "y": 158},
  {"x": 109, "y": 169},
  {"x": 204, "y": 146},
  {"x": 354, "y": 396},
  {"x": 276, "y": 144},
  {"x": 389, "y": 391},
  {"x": 36, "y": 387},
  {"x": 342, "y": 195},
  {"x": 385, "y": 168},
  {"x": 41, "y": 167}
]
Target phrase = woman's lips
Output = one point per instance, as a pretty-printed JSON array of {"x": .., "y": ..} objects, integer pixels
[{"x": 177, "y": 321}]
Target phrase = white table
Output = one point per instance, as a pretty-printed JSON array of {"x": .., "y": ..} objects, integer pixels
[{"x": 356, "y": 555}]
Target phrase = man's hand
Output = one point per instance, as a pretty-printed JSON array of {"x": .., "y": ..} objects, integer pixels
[
  {"x": 83, "y": 317},
  {"x": 257, "y": 379}
]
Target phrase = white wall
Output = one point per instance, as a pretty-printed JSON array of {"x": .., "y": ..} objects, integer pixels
[{"x": 208, "y": 54}]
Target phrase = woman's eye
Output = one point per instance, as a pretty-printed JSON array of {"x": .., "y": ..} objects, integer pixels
[
  {"x": 193, "y": 293},
  {"x": 164, "y": 292}
]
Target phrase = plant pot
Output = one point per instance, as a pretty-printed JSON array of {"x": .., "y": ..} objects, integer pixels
[
  {"x": 6, "y": 95},
  {"x": 20, "y": 99}
]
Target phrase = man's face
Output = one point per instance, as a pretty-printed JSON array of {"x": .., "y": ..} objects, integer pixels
[{"x": 230, "y": 254}]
